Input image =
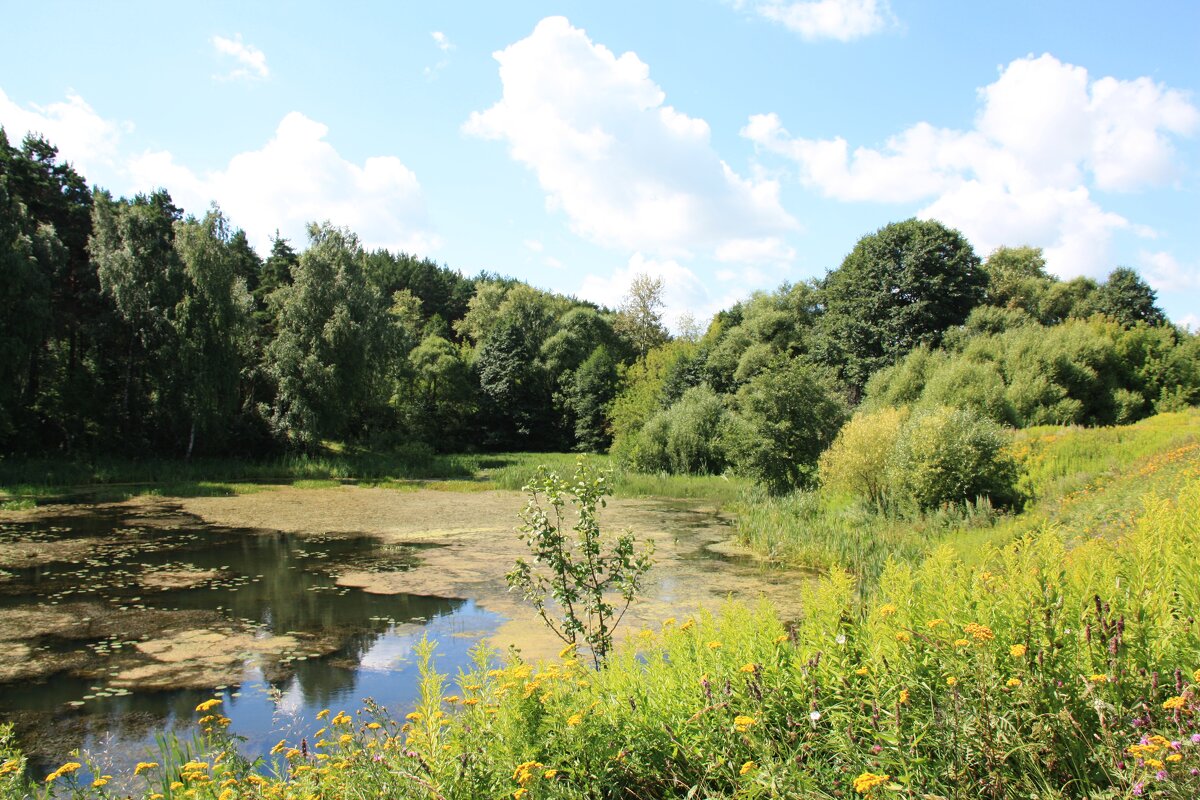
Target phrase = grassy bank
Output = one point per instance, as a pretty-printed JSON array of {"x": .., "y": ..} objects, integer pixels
[
  {"x": 25, "y": 482},
  {"x": 1041, "y": 671},
  {"x": 1083, "y": 482}
]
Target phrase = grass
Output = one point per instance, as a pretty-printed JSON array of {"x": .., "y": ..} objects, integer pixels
[{"x": 1086, "y": 482}]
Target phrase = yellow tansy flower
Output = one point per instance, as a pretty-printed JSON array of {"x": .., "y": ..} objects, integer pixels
[{"x": 749, "y": 766}]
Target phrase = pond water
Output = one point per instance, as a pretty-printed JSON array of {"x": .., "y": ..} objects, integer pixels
[{"x": 115, "y": 625}]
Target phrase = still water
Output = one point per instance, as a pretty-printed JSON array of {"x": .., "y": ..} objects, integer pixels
[{"x": 255, "y": 614}]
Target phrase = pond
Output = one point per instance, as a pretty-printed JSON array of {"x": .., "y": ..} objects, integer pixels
[{"x": 117, "y": 620}]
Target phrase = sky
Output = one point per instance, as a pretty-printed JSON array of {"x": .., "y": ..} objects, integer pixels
[{"x": 726, "y": 146}]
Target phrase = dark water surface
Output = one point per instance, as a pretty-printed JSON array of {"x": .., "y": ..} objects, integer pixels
[{"x": 349, "y": 645}]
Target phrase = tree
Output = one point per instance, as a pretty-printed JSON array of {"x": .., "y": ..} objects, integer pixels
[
  {"x": 514, "y": 388},
  {"x": 24, "y": 308},
  {"x": 328, "y": 358},
  {"x": 1017, "y": 277},
  {"x": 572, "y": 579},
  {"x": 443, "y": 391},
  {"x": 857, "y": 461},
  {"x": 1128, "y": 299},
  {"x": 214, "y": 322},
  {"x": 787, "y": 415},
  {"x": 899, "y": 288},
  {"x": 640, "y": 317},
  {"x": 593, "y": 387}
]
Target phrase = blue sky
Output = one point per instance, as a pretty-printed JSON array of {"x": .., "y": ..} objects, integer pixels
[{"x": 725, "y": 146}]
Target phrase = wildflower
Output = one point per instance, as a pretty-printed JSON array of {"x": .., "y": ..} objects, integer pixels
[
  {"x": 903, "y": 637},
  {"x": 814, "y": 715},
  {"x": 866, "y": 782},
  {"x": 1196, "y": 676},
  {"x": 961, "y": 643},
  {"x": 519, "y": 793},
  {"x": 980, "y": 633},
  {"x": 1098, "y": 678},
  {"x": 65, "y": 769},
  {"x": 1017, "y": 650},
  {"x": 933, "y": 623},
  {"x": 861, "y": 671},
  {"x": 783, "y": 637},
  {"x": 1174, "y": 758},
  {"x": 1174, "y": 704},
  {"x": 279, "y": 746},
  {"x": 142, "y": 766},
  {"x": 176, "y": 786},
  {"x": 742, "y": 723},
  {"x": 568, "y": 650},
  {"x": 209, "y": 705},
  {"x": 751, "y": 668},
  {"x": 527, "y": 771},
  {"x": 12, "y": 765},
  {"x": 749, "y": 766},
  {"x": 668, "y": 622},
  {"x": 374, "y": 726},
  {"x": 687, "y": 624},
  {"x": 345, "y": 739},
  {"x": 1013, "y": 683},
  {"x": 841, "y": 638},
  {"x": 471, "y": 701},
  {"x": 903, "y": 696},
  {"x": 1195, "y": 738},
  {"x": 549, "y": 774},
  {"x": 714, "y": 645},
  {"x": 101, "y": 781},
  {"x": 886, "y": 610},
  {"x": 414, "y": 716},
  {"x": 323, "y": 714}
]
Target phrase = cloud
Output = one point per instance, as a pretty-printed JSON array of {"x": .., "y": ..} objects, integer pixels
[
  {"x": 1045, "y": 139},
  {"x": 683, "y": 291},
  {"x": 1191, "y": 322},
  {"x": 627, "y": 170},
  {"x": 252, "y": 61},
  {"x": 82, "y": 136},
  {"x": 842, "y": 20},
  {"x": 446, "y": 46},
  {"x": 443, "y": 43},
  {"x": 298, "y": 177},
  {"x": 1165, "y": 274}
]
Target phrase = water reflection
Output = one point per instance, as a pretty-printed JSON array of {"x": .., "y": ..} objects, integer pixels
[{"x": 260, "y": 608}]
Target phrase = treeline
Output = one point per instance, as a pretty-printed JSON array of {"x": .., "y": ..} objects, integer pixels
[{"x": 128, "y": 327}]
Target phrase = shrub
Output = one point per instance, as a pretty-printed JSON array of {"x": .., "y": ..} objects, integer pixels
[
  {"x": 947, "y": 455},
  {"x": 857, "y": 461},
  {"x": 685, "y": 437}
]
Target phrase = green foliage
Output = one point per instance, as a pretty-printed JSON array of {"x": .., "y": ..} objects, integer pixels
[
  {"x": 640, "y": 318},
  {"x": 685, "y": 438},
  {"x": 642, "y": 394},
  {"x": 786, "y": 416},
  {"x": 946, "y": 455},
  {"x": 592, "y": 392},
  {"x": 573, "y": 575},
  {"x": 1126, "y": 298},
  {"x": 899, "y": 288},
  {"x": 328, "y": 357},
  {"x": 857, "y": 461}
]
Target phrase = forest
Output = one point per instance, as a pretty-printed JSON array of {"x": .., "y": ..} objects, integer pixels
[{"x": 130, "y": 327}]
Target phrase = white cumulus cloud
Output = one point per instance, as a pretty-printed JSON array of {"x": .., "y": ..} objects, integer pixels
[
  {"x": 251, "y": 62},
  {"x": 627, "y": 170},
  {"x": 1165, "y": 274},
  {"x": 298, "y": 177},
  {"x": 842, "y": 20},
  {"x": 1046, "y": 138},
  {"x": 82, "y": 136}
]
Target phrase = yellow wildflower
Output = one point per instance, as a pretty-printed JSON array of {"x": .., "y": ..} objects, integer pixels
[
  {"x": 1013, "y": 683},
  {"x": 933, "y": 623},
  {"x": 101, "y": 781},
  {"x": 549, "y": 774},
  {"x": 568, "y": 650},
  {"x": 1017, "y": 650},
  {"x": 668, "y": 622},
  {"x": 714, "y": 645},
  {"x": 1098, "y": 678},
  {"x": 742, "y": 723},
  {"x": 952, "y": 681},
  {"x": 867, "y": 782},
  {"x": 961, "y": 643},
  {"x": 209, "y": 705},
  {"x": 574, "y": 720},
  {"x": 414, "y": 716},
  {"x": 176, "y": 786},
  {"x": 519, "y": 793},
  {"x": 692, "y": 622},
  {"x": 345, "y": 739},
  {"x": 471, "y": 701},
  {"x": 1154, "y": 763},
  {"x": 228, "y": 794},
  {"x": 142, "y": 766},
  {"x": 1196, "y": 676},
  {"x": 749, "y": 766},
  {"x": 887, "y": 609},
  {"x": 903, "y": 696},
  {"x": 527, "y": 771},
  {"x": 783, "y": 637},
  {"x": 861, "y": 671},
  {"x": 903, "y": 637},
  {"x": 749, "y": 668},
  {"x": 980, "y": 633},
  {"x": 323, "y": 714},
  {"x": 1174, "y": 703}
]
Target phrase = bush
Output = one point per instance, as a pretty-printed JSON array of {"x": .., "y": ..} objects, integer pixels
[
  {"x": 685, "y": 437},
  {"x": 947, "y": 455},
  {"x": 857, "y": 461}
]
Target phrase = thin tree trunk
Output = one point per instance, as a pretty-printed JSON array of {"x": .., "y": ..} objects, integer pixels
[{"x": 191, "y": 441}]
